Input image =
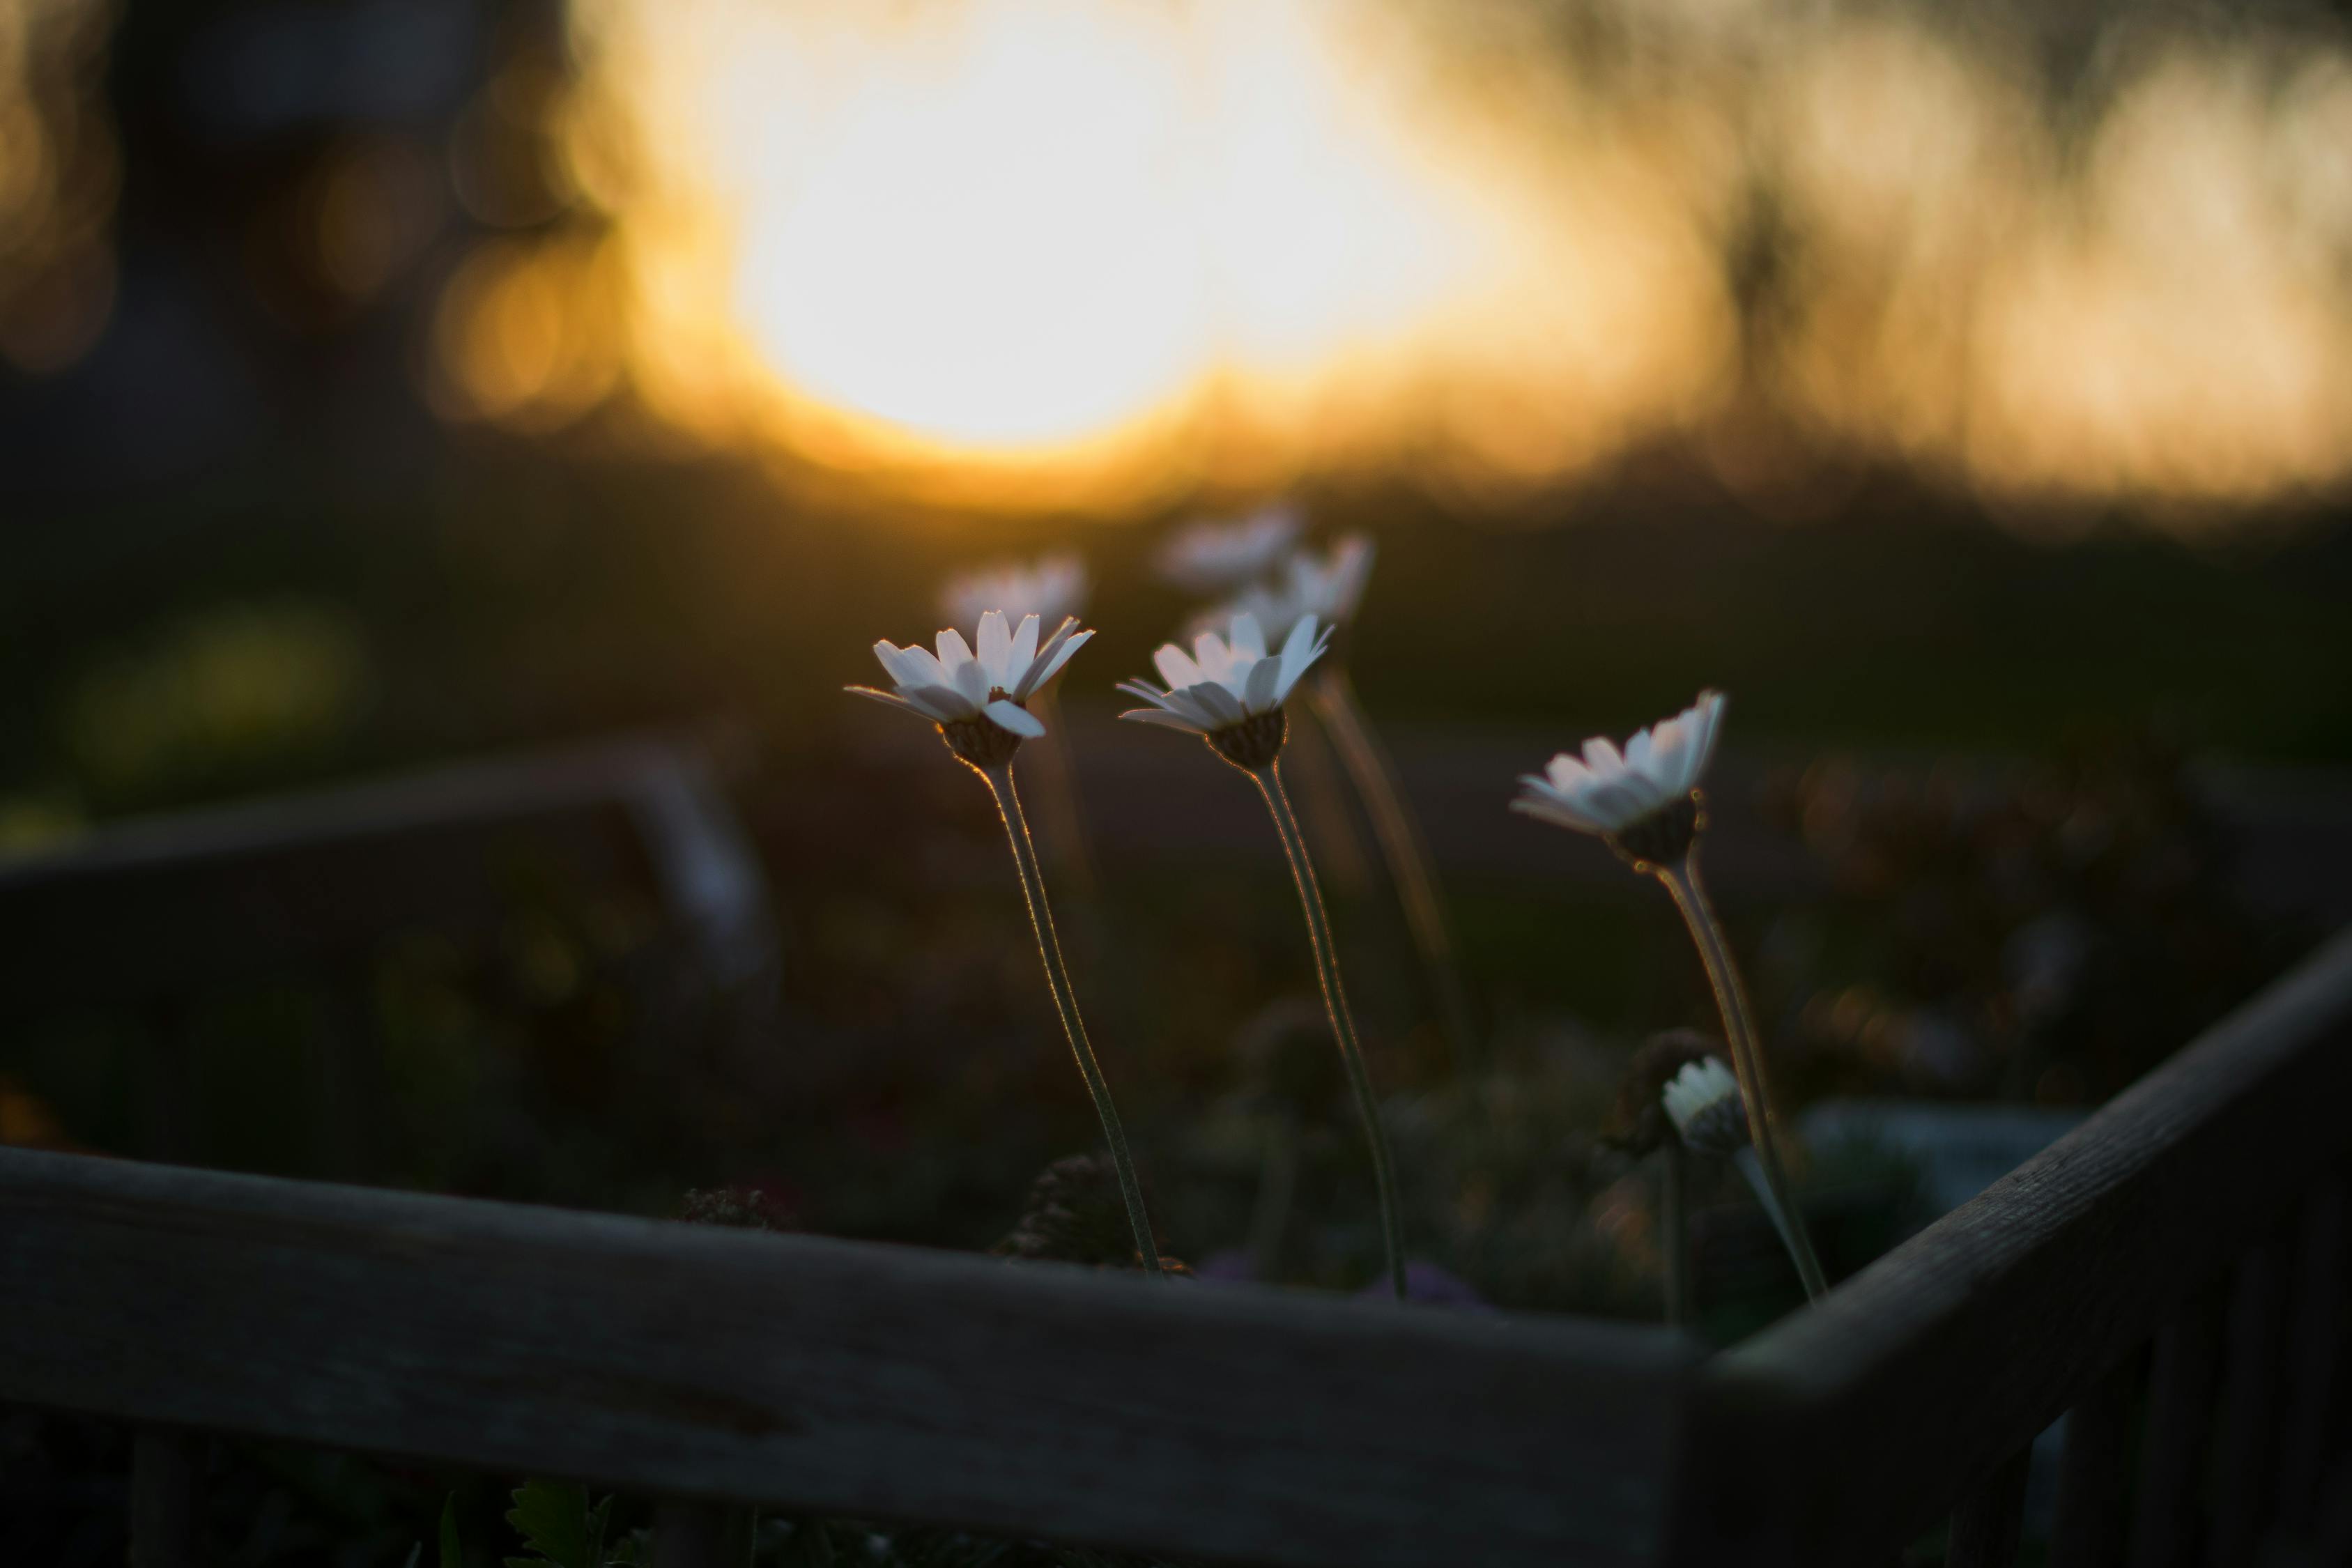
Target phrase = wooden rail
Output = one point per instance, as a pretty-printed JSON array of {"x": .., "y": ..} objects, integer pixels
[
  {"x": 838, "y": 1377},
  {"x": 2204, "y": 1207},
  {"x": 1837, "y": 1434}
]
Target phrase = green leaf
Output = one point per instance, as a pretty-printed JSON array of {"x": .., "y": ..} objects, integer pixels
[
  {"x": 552, "y": 1519},
  {"x": 599, "y": 1518},
  {"x": 453, "y": 1550}
]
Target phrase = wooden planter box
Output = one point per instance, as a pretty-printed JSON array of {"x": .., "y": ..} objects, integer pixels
[{"x": 2205, "y": 1207}]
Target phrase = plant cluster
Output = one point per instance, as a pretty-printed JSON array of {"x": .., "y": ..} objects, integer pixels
[{"x": 1232, "y": 687}]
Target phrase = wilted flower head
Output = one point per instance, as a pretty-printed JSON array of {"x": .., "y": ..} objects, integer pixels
[
  {"x": 1050, "y": 588},
  {"x": 976, "y": 697},
  {"x": 1230, "y": 689},
  {"x": 1641, "y": 799},
  {"x": 1327, "y": 587},
  {"x": 1219, "y": 557},
  {"x": 1074, "y": 1215},
  {"x": 1703, "y": 1101},
  {"x": 1638, "y": 1122}
]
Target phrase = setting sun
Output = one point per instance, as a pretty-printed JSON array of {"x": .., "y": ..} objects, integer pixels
[{"x": 1023, "y": 252}]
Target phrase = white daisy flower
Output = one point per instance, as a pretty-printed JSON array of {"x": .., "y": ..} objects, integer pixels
[
  {"x": 1219, "y": 557},
  {"x": 1703, "y": 1101},
  {"x": 1646, "y": 789},
  {"x": 1326, "y": 588},
  {"x": 1230, "y": 688},
  {"x": 1050, "y": 588},
  {"x": 957, "y": 688}
]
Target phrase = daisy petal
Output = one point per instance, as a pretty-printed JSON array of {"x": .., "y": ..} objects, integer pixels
[
  {"x": 892, "y": 698},
  {"x": 1258, "y": 692},
  {"x": 995, "y": 650},
  {"x": 1709, "y": 716},
  {"x": 1567, "y": 772},
  {"x": 1176, "y": 668},
  {"x": 942, "y": 702},
  {"x": 1220, "y": 704},
  {"x": 1305, "y": 645},
  {"x": 1164, "y": 718},
  {"x": 1248, "y": 638},
  {"x": 1013, "y": 716},
  {"x": 911, "y": 665},
  {"x": 1045, "y": 670}
]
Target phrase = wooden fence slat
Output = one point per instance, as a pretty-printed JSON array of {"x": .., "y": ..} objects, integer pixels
[
  {"x": 2089, "y": 1530},
  {"x": 1947, "y": 1355},
  {"x": 2246, "y": 1439},
  {"x": 2315, "y": 1352},
  {"x": 1989, "y": 1523},
  {"x": 2181, "y": 1386},
  {"x": 167, "y": 1475},
  {"x": 837, "y": 1377}
]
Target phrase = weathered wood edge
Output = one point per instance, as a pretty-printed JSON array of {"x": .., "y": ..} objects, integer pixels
[
  {"x": 825, "y": 1375},
  {"x": 1837, "y": 1434}
]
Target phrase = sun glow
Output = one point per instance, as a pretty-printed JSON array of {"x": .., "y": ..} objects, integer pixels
[
  {"x": 1042, "y": 252},
  {"x": 1039, "y": 237}
]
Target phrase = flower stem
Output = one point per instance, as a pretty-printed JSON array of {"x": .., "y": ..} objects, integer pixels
[
  {"x": 1334, "y": 1003},
  {"x": 1402, "y": 845},
  {"x": 1674, "y": 1241},
  {"x": 1065, "y": 1002},
  {"x": 1057, "y": 787},
  {"x": 1732, "y": 1001}
]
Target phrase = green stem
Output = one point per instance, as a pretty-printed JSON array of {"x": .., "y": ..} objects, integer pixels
[
  {"x": 1065, "y": 1002},
  {"x": 1732, "y": 1001},
  {"x": 1674, "y": 1240},
  {"x": 1402, "y": 845},
  {"x": 1334, "y": 1003}
]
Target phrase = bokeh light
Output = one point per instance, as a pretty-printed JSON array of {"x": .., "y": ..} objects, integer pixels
[{"x": 1025, "y": 251}]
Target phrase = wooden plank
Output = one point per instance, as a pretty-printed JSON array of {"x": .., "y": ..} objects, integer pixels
[
  {"x": 2091, "y": 1526},
  {"x": 262, "y": 887},
  {"x": 1990, "y": 1521},
  {"x": 816, "y": 1375},
  {"x": 2315, "y": 1352},
  {"x": 2245, "y": 1475},
  {"x": 2183, "y": 1385},
  {"x": 1927, "y": 1369}
]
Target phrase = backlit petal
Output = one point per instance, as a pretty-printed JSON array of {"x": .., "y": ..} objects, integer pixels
[
  {"x": 995, "y": 650},
  {"x": 1164, "y": 718},
  {"x": 1258, "y": 692},
  {"x": 1176, "y": 667},
  {"x": 1045, "y": 669},
  {"x": 1013, "y": 716}
]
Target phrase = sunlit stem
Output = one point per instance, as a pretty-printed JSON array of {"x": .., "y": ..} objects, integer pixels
[
  {"x": 1402, "y": 845},
  {"x": 1057, "y": 792},
  {"x": 1065, "y": 1002},
  {"x": 1334, "y": 1003},
  {"x": 1739, "y": 1026},
  {"x": 1674, "y": 1239}
]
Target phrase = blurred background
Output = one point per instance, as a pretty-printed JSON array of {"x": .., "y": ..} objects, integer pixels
[{"x": 454, "y": 451}]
